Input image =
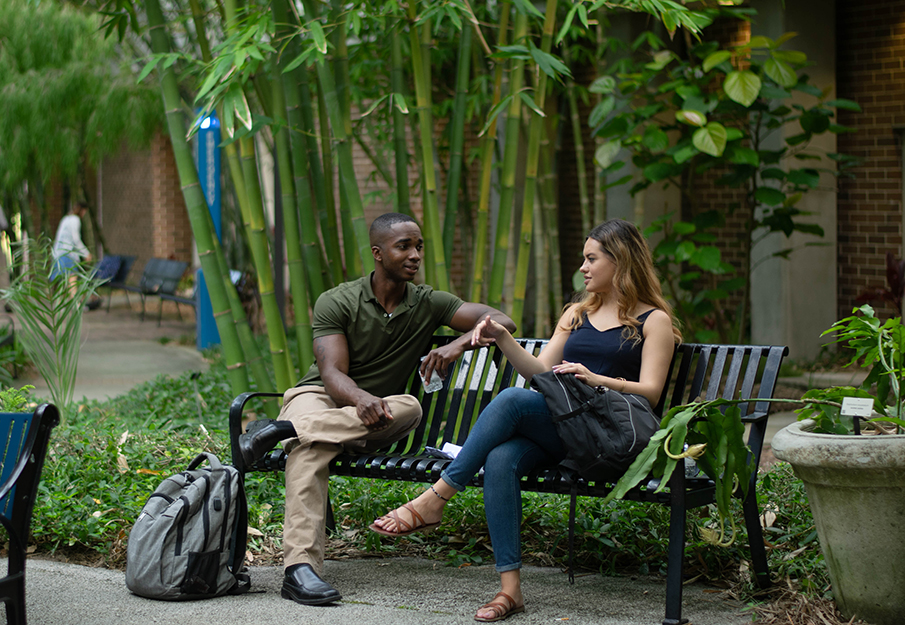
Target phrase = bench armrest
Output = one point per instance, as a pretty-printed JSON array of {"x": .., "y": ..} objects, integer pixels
[{"x": 235, "y": 423}]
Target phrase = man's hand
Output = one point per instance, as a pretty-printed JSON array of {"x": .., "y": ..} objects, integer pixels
[
  {"x": 440, "y": 359},
  {"x": 374, "y": 412}
]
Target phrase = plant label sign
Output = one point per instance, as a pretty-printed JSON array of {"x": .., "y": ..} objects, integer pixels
[{"x": 857, "y": 407}]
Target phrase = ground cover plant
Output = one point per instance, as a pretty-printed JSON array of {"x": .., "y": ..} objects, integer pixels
[{"x": 106, "y": 461}]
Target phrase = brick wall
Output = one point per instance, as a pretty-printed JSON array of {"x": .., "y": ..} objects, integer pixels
[
  {"x": 870, "y": 70},
  {"x": 125, "y": 205},
  {"x": 172, "y": 232}
]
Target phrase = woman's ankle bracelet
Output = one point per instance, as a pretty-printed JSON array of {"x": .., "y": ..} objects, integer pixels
[{"x": 438, "y": 494}]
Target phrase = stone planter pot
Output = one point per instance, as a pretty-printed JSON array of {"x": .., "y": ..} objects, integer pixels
[{"x": 856, "y": 490}]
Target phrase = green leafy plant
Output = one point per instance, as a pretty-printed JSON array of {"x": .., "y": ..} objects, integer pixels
[
  {"x": 720, "y": 114},
  {"x": 714, "y": 434},
  {"x": 50, "y": 312},
  {"x": 15, "y": 399},
  {"x": 878, "y": 347}
]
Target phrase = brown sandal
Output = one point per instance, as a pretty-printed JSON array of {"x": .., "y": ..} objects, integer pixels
[
  {"x": 501, "y": 610},
  {"x": 403, "y": 528}
]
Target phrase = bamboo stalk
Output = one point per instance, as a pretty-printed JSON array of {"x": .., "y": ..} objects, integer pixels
[
  {"x": 347, "y": 178},
  {"x": 456, "y": 143},
  {"x": 400, "y": 141},
  {"x": 317, "y": 277},
  {"x": 298, "y": 282},
  {"x": 433, "y": 234},
  {"x": 196, "y": 205},
  {"x": 584, "y": 200},
  {"x": 488, "y": 143},
  {"x": 510, "y": 156},
  {"x": 534, "y": 138}
]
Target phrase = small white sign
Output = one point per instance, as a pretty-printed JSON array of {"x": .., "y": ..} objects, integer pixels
[{"x": 857, "y": 406}]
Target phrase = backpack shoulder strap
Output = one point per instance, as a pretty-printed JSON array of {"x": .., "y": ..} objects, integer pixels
[{"x": 239, "y": 542}]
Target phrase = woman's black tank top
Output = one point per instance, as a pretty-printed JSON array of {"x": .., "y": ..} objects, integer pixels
[{"x": 606, "y": 353}]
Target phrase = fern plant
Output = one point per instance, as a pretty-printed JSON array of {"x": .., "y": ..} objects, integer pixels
[{"x": 50, "y": 313}]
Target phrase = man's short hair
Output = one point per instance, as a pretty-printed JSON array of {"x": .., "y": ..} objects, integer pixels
[{"x": 383, "y": 226}]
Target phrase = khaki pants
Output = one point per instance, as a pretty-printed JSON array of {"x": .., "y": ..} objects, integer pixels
[{"x": 323, "y": 430}]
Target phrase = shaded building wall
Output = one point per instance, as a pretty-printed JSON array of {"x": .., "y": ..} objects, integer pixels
[
  {"x": 871, "y": 71},
  {"x": 140, "y": 205}
]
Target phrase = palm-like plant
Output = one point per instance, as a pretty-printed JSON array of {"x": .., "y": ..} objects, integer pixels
[{"x": 50, "y": 313}]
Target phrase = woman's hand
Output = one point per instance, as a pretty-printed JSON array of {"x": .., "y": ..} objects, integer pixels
[
  {"x": 578, "y": 370},
  {"x": 487, "y": 331}
]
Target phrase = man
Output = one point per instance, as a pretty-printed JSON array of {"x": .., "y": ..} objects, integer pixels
[{"x": 365, "y": 332}]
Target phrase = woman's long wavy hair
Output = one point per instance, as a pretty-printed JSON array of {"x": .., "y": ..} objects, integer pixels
[{"x": 635, "y": 280}]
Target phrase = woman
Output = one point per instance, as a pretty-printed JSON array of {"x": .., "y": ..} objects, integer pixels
[{"x": 620, "y": 334}]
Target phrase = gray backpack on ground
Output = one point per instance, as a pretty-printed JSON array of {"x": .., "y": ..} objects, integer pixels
[{"x": 189, "y": 540}]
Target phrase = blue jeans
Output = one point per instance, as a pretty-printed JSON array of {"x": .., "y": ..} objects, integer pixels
[{"x": 513, "y": 435}]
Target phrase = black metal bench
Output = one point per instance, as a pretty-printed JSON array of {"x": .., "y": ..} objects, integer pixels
[
  {"x": 113, "y": 270},
  {"x": 25, "y": 437},
  {"x": 709, "y": 371},
  {"x": 160, "y": 277}
]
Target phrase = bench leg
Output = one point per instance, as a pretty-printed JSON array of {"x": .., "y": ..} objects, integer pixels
[
  {"x": 160, "y": 312},
  {"x": 756, "y": 540},
  {"x": 142, "y": 306},
  {"x": 676, "y": 549},
  {"x": 752, "y": 514}
]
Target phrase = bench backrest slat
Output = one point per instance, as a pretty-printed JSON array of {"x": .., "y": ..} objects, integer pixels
[{"x": 13, "y": 427}]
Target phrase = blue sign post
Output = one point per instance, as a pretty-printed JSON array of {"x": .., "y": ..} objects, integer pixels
[{"x": 207, "y": 158}]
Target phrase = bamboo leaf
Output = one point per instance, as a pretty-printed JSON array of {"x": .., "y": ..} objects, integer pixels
[
  {"x": 148, "y": 68},
  {"x": 376, "y": 103},
  {"x": 494, "y": 113},
  {"x": 529, "y": 102},
  {"x": 549, "y": 64},
  {"x": 399, "y": 101},
  {"x": 317, "y": 33}
]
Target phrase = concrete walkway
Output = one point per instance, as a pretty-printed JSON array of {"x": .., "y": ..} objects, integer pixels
[
  {"x": 119, "y": 351},
  {"x": 398, "y": 591}
]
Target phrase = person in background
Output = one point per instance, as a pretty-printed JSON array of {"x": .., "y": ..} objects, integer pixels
[{"x": 68, "y": 248}]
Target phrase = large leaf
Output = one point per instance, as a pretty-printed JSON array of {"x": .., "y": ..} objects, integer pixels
[
  {"x": 606, "y": 153},
  {"x": 715, "y": 59},
  {"x": 804, "y": 177},
  {"x": 769, "y": 196},
  {"x": 604, "y": 84},
  {"x": 692, "y": 118},
  {"x": 781, "y": 72},
  {"x": 655, "y": 139},
  {"x": 600, "y": 112},
  {"x": 658, "y": 171},
  {"x": 847, "y": 105},
  {"x": 742, "y": 87},
  {"x": 711, "y": 139}
]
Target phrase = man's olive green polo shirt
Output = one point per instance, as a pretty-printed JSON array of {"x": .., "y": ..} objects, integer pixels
[{"x": 383, "y": 348}]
